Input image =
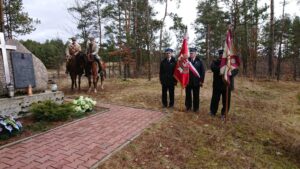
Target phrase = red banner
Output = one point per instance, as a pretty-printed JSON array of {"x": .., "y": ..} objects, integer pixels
[{"x": 181, "y": 72}]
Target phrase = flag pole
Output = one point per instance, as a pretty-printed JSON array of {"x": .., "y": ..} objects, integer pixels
[
  {"x": 181, "y": 99},
  {"x": 226, "y": 109}
]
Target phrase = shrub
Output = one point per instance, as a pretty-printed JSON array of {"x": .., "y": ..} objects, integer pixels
[{"x": 51, "y": 111}]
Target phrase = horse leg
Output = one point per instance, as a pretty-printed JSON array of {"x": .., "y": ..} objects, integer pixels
[
  {"x": 79, "y": 81},
  {"x": 90, "y": 83},
  {"x": 72, "y": 82},
  {"x": 75, "y": 80},
  {"x": 101, "y": 82},
  {"x": 95, "y": 80}
]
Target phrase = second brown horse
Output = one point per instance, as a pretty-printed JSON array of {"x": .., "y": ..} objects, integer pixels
[{"x": 92, "y": 72}]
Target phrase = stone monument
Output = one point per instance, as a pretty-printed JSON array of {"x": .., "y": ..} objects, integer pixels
[{"x": 20, "y": 69}]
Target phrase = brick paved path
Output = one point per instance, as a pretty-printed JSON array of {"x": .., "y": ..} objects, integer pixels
[{"x": 81, "y": 144}]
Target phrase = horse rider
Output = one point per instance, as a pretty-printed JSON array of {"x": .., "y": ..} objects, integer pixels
[
  {"x": 92, "y": 52},
  {"x": 72, "y": 50}
]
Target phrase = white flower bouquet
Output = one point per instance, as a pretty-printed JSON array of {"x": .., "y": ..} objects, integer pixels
[{"x": 83, "y": 104}]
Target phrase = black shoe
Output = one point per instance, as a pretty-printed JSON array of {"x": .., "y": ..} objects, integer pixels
[
  {"x": 171, "y": 106},
  {"x": 223, "y": 117},
  {"x": 196, "y": 111},
  {"x": 188, "y": 109},
  {"x": 212, "y": 114}
]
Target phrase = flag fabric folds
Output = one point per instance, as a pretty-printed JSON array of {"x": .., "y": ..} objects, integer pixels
[
  {"x": 181, "y": 72},
  {"x": 229, "y": 60},
  {"x": 183, "y": 65}
]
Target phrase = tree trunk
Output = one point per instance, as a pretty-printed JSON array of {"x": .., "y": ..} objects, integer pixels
[
  {"x": 125, "y": 71},
  {"x": 295, "y": 64},
  {"x": 280, "y": 43},
  {"x": 99, "y": 22},
  {"x": 148, "y": 39},
  {"x": 2, "y": 17},
  {"x": 254, "y": 66},
  {"x": 135, "y": 26},
  {"x": 246, "y": 44},
  {"x": 208, "y": 45},
  {"x": 120, "y": 34},
  {"x": 271, "y": 39},
  {"x": 109, "y": 67}
]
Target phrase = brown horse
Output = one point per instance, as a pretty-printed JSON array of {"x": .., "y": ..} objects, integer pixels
[
  {"x": 91, "y": 71},
  {"x": 76, "y": 67}
]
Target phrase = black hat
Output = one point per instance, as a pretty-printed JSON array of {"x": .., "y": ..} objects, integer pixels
[
  {"x": 168, "y": 50},
  {"x": 220, "y": 51},
  {"x": 193, "y": 49}
]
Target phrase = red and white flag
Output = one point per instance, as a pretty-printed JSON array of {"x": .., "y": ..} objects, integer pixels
[
  {"x": 230, "y": 60},
  {"x": 183, "y": 65},
  {"x": 181, "y": 72}
]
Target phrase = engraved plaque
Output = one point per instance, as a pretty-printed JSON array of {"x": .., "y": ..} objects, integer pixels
[{"x": 23, "y": 70}]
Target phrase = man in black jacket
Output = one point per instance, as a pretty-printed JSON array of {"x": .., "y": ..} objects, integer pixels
[
  {"x": 220, "y": 87},
  {"x": 193, "y": 87},
  {"x": 168, "y": 82}
]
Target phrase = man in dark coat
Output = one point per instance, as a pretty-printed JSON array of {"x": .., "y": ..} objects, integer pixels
[
  {"x": 168, "y": 82},
  {"x": 193, "y": 87},
  {"x": 220, "y": 87}
]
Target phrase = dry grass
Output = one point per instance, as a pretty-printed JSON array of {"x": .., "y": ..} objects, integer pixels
[{"x": 263, "y": 130}]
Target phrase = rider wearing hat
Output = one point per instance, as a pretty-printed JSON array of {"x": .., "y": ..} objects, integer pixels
[
  {"x": 92, "y": 51},
  {"x": 72, "y": 50}
]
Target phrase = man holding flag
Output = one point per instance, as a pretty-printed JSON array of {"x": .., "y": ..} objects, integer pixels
[
  {"x": 196, "y": 80},
  {"x": 184, "y": 69},
  {"x": 224, "y": 69}
]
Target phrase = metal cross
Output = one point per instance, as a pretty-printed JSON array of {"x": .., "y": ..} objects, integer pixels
[{"x": 3, "y": 48}]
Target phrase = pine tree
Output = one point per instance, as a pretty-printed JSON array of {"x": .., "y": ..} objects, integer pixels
[{"x": 15, "y": 20}]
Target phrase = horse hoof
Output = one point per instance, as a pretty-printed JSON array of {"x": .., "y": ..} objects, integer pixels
[
  {"x": 102, "y": 87},
  {"x": 89, "y": 90},
  {"x": 95, "y": 91}
]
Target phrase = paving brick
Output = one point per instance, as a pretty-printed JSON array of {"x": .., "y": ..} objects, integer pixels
[
  {"x": 32, "y": 165},
  {"x": 76, "y": 163},
  {"x": 81, "y": 167},
  {"x": 67, "y": 167},
  {"x": 46, "y": 164},
  {"x": 3, "y": 165},
  {"x": 13, "y": 161},
  {"x": 86, "y": 156},
  {"x": 99, "y": 156},
  {"x": 29, "y": 159},
  {"x": 73, "y": 157},
  {"x": 43, "y": 159},
  {"x": 60, "y": 163},
  {"x": 18, "y": 165},
  {"x": 90, "y": 163}
]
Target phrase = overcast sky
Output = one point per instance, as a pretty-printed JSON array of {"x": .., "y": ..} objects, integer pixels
[{"x": 56, "y": 22}]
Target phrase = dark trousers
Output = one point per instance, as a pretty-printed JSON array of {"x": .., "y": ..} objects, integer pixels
[
  {"x": 189, "y": 91},
  {"x": 214, "y": 104},
  {"x": 165, "y": 89}
]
